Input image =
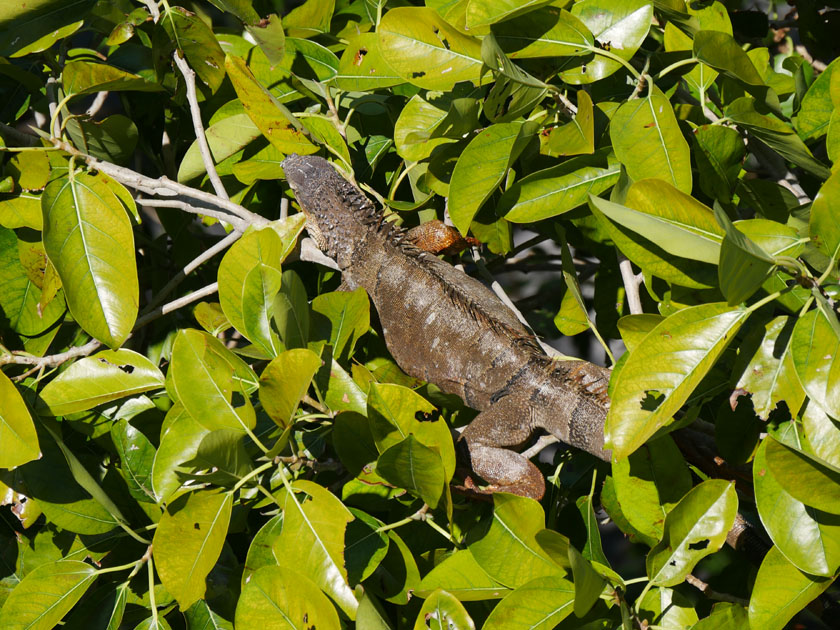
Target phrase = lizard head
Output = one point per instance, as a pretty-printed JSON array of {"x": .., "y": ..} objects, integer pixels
[{"x": 337, "y": 213}]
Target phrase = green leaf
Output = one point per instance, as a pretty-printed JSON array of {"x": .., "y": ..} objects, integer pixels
[
  {"x": 676, "y": 222},
  {"x": 770, "y": 376},
  {"x": 46, "y": 594},
  {"x": 261, "y": 551},
  {"x": 806, "y": 478},
  {"x": 395, "y": 412},
  {"x": 137, "y": 455},
  {"x": 588, "y": 584},
  {"x": 443, "y": 611},
  {"x": 64, "y": 502},
  {"x": 98, "y": 379},
  {"x": 486, "y": 12},
  {"x": 21, "y": 211},
  {"x": 777, "y": 135},
  {"x": 647, "y": 140},
  {"x": 695, "y": 528},
  {"x": 720, "y": 152},
  {"x": 284, "y": 598},
  {"x": 720, "y": 51},
  {"x": 724, "y": 616},
  {"x": 808, "y": 538},
  {"x": 224, "y": 138},
  {"x": 557, "y": 189},
  {"x": 482, "y": 167},
  {"x": 285, "y": 381},
  {"x": 649, "y": 483},
  {"x": 89, "y": 240},
  {"x": 312, "y": 18},
  {"x": 20, "y": 295},
  {"x": 188, "y": 541},
  {"x": 415, "y": 467},
  {"x": 269, "y": 35},
  {"x": 87, "y": 77},
  {"x": 112, "y": 139},
  {"x": 275, "y": 122},
  {"x": 621, "y": 26},
  {"x": 825, "y": 217},
  {"x": 414, "y": 131},
  {"x": 780, "y": 591},
  {"x": 192, "y": 37},
  {"x": 366, "y": 546},
  {"x": 664, "y": 369},
  {"x": 426, "y": 51},
  {"x": 667, "y": 608},
  {"x": 822, "y": 433},
  {"x": 345, "y": 316},
  {"x": 575, "y": 137},
  {"x": 743, "y": 265},
  {"x": 180, "y": 438},
  {"x": 815, "y": 112},
  {"x": 362, "y": 66},
  {"x": 653, "y": 259},
  {"x": 249, "y": 279},
  {"x": 206, "y": 377},
  {"x": 815, "y": 349},
  {"x": 634, "y": 328},
  {"x": 509, "y": 552},
  {"x": 540, "y": 604},
  {"x": 18, "y": 439},
  {"x": 153, "y": 623},
  {"x": 23, "y": 23},
  {"x": 312, "y": 541},
  {"x": 463, "y": 577},
  {"x": 546, "y": 32}
]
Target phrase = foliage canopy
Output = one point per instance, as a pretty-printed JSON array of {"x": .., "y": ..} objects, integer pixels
[{"x": 198, "y": 430}]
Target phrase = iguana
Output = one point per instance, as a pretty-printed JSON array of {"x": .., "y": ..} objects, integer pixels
[{"x": 445, "y": 327}]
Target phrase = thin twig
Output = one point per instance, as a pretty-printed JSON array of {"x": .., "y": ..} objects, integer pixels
[
  {"x": 712, "y": 594},
  {"x": 97, "y": 103},
  {"x": 174, "y": 305},
  {"x": 153, "y": 9},
  {"x": 632, "y": 282},
  {"x": 561, "y": 99},
  {"x": 237, "y": 224},
  {"x": 500, "y": 293},
  {"x": 51, "y": 360},
  {"x": 191, "y": 266},
  {"x": 195, "y": 112},
  {"x": 162, "y": 186},
  {"x": 539, "y": 445},
  {"x": 334, "y": 114}
]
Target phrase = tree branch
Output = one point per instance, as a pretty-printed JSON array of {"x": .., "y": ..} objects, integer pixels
[
  {"x": 191, "y": 266},
  {"x": 161, "y": 186},
  {"x": 174, "y": 305},
  {"x": 632, "y": 282},
  {"x": 237, "y": 223},
  {"x": 195, "y": 113},
  {"x": 52, "y": 360}
]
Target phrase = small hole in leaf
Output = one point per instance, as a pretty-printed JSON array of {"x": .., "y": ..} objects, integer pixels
[
  {"x": 699, "y": 545},
  {"x": 196, "y": 526},
  {"x": 652, "y": 400}
]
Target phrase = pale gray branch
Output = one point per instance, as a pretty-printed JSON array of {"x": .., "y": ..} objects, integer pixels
[
  {"x": 174, "y": 305},
  {"x": 237, "y": 223},
  {"x": 153, "y": 9},
  {"x": 162, "y": 186},
  {"x": 51, "y": 360},
  {"x": 97, "y": 103},
  {"x": 191, "y": 266},
  {"x": 309, "y": 252},
  {"x": 632, "y": 282},
  {"x": 195, "y": 112}
]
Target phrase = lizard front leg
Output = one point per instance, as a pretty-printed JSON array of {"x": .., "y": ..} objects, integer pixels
[{"x": 488, "y": 438}]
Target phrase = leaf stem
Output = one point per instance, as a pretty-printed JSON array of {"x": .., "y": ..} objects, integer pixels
[
  {"x": 675, "y": 65},
  {"x": 611, "y": 55},
  {"x": 152, "y": 604},
  {"x": 243, "y": 480}
]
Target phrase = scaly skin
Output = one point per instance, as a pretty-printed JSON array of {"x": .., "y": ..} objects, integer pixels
[{"x": 447, "y": 328}]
